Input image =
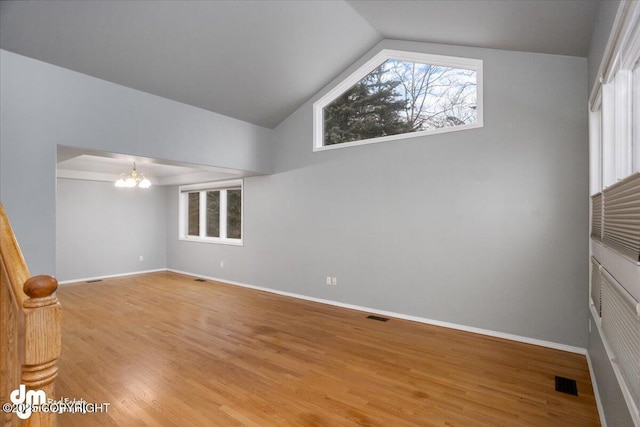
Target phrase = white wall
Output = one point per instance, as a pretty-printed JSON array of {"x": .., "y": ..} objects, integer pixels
[
  {"x": 43, "y": 106},
  {"x": 484, "y": 228},
  {"x": 103, "y": 230}
]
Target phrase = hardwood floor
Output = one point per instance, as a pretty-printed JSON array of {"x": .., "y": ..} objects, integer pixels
[{"x": 165, "y": 350}]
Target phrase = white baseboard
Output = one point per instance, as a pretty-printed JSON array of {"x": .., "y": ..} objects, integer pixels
[
  {"x": 110, "y": 276},
  {"x": 596, "y": 393},
  {"x": 488, "y": 332}
]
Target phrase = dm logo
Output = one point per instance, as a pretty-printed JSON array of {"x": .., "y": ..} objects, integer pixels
[{"x": 26, "y": 400}]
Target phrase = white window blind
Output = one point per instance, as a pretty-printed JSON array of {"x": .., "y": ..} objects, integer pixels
[
  {"x": 596, "y": 281},
  {"x": 621, "y": 212},
  {"x": 621, "y": 327},
  {"x": 596, "y": 216}
]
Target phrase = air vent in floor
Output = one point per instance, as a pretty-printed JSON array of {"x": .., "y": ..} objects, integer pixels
[
  {"x": 378, "y": 318},
  {"x": 566, "y": 385},
  {"x": 200, "y": 280},
  {"x": 94, "y": 281}
]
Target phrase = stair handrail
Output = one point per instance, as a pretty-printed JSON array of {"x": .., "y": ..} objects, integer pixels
[{"x": 30, "y": 334}]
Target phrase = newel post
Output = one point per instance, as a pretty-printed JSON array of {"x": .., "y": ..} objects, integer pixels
[{"x": 42, "y": 341}]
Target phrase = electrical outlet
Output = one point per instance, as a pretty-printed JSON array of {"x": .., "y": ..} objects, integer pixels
[
  {"x": 221, "y": 264},
  {"x": 328, "y": 280},
  {"x": 334, "y": 281},
  {"x": 141, "y": 258}
]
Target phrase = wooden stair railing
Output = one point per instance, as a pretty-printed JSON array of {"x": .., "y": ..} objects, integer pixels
[{"x": 30, "y": 330}]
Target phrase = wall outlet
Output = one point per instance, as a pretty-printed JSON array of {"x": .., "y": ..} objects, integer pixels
[
  {"x": 141, "y": 258},
  {"x": 221, "y": 264},
  {"x": 328, "y": 280},
  {"x": 334, "y": 281}
]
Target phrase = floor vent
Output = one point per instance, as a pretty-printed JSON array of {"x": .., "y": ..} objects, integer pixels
[
  {"x": 566, "y": 385},
  {"x": 378, "y": 318},
  {"x": 94, "y": 281},
  {"x": 200, "y": 280}
]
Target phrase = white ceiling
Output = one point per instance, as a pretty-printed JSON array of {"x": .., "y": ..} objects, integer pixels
[
  {"x": 561, "y": 27},
  {"x": 99, "y": 166},
  {"x": 258, "y": 61}
]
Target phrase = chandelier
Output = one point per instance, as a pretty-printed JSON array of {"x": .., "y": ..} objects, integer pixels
[{"x": 134, "y": 179}]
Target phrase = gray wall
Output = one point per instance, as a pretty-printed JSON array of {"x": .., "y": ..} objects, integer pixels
[
  {"x": 614, "y": 406},
  {"x": 102, "y": 230},
  {"x": 42, "y": 106},
  {"x": 484, "y": 228},
  {"x": 607, "y": 11}
]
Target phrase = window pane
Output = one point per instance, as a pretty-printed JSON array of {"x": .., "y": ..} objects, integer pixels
[
  {"x": 213, "y": 214},
  {"x": 635, "y": 120},
  {"x": 402, "y": 97},
  {"x": 234, "y": 214},
  {"x": 608, "y": 135},
  {"x": 194, "y": 214}
]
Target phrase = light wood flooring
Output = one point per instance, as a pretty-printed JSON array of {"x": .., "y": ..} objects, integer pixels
[{"x": 165, "y": 350}]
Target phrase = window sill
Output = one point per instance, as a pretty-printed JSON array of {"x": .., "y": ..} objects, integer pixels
[
  {"x": 469, "y": 126},
  {"x": 230, "y": 242}
]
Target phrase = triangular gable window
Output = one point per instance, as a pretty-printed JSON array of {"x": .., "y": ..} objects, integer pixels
[{"x": 398, "y": 95}]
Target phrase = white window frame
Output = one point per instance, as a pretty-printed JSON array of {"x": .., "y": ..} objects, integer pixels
[
  {"x": 370, "y": 65},
  {"x": 616, "y": 94},
  {"x": 202, "y": 188}
]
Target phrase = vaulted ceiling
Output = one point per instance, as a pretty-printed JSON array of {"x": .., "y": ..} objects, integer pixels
[{"x": 258, "y": 61}]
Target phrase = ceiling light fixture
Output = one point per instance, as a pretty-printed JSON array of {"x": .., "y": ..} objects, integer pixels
[{"x": 134, "y": 179}]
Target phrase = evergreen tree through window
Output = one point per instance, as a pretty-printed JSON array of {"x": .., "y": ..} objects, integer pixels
[{"x": 402, "y": 96}]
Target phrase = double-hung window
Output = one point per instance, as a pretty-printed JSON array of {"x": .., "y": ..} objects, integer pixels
[{"x": 211, "y": 212}]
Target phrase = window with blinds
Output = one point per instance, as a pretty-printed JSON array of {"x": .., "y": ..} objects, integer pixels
[
  {"x": 621, "y": 217},
  {"x": 596, "y": 216},
  {"x": 596, "y": 281},
  {"x": 614, "y": 122},
  {"x": 621, "y": 327}
]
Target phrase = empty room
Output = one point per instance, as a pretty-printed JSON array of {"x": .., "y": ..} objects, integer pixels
[{"x": 320, "y": 213}]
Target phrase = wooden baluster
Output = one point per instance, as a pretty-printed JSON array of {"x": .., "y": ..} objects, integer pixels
[{"x": 42, "y": 342}]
